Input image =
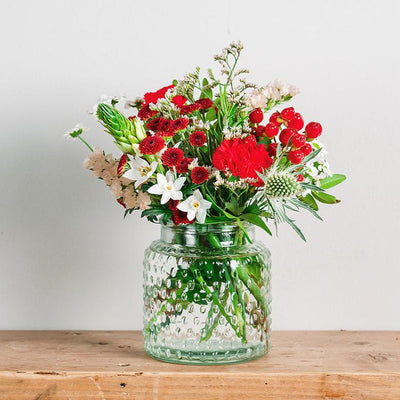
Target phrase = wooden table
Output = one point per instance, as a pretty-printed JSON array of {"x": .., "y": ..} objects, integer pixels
[{"x": 108, "y": 365}]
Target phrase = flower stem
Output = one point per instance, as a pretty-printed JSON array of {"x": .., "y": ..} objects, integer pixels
[{"x": 85, "y": 143}]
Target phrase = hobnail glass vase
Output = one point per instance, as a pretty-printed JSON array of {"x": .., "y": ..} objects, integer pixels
[{"x": 206, "y": 295}]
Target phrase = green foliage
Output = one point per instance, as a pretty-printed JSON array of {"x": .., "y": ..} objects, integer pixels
[
  {"x": 325, "y": 198},
  {"x": 331, "y": 181}
]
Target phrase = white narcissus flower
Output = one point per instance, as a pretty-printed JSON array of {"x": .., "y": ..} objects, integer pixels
[
  {"x": 140, "y": 171},
  {"x": 195, "y": 206},
  {"x": 167, "y": 187}
]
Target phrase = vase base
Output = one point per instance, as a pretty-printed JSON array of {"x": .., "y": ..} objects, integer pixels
[{"x": 231, "y": 356}]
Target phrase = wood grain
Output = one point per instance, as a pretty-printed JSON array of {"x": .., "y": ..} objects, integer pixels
[{"x": 55, "y": 365}]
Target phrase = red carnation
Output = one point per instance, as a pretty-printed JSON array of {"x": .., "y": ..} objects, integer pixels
[
  {"x": 151, "y": 144},
  {"x": 243, "y": 158},
  {"x": 197, "y": 138},
  {"x": 183, "y": 166},
  {"x": 204, "y": 104},
  {"x": 190, "y": 108},
  {"x": 119, "y": 201},
  {"x": 180, "y": 217},
  {"x": 121, "y": 165},
  {"x": 172, "y": 156},
  {"x": 199, "y": 175},
  {"x": 179, "y": 101},
  {"x": 145, "y": 113},
  {"x": 152, "y": 97},
  {"x": 173, "y": 204},
  {"x": 178, "y": 124}
]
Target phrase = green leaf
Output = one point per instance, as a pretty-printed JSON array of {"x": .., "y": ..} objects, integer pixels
[
  {"x": 256, "y": 220},
  {"x": 294, "y": 226},
  {"x": 311, "y": 187},
  {"x": 211, "y": 114},
  {"x": 206, "y": 91},
  {"x": 305, "y": 206},
  {"x": 331, "y": 181},
  {"x": 242, "y": 227},
  {"x": 308, "y": 199},
  {"x": 325, "y": 198}
]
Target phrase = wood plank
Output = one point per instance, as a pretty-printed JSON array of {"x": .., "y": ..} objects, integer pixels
[{"x": 112, "y": 365}]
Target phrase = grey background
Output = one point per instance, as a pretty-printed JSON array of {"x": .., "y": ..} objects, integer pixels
[{"x": 67, "y": 258}]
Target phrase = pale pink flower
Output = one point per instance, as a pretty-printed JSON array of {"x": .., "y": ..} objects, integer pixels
[
  {"x": 257, "y": 99},
  {"x": 276, "y": 90},
  {"x": 116, "y": 189},
  {"x": 93, "y": 157},
  {"x": 143, "y": 200},
  {"x": 129, "y": 198}
]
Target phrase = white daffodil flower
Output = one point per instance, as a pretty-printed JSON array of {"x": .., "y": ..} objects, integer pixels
[
  {"x": 195, "y": 206},
  {"x": 140, "y": 171},
  {"x": 167, "y": 187}
]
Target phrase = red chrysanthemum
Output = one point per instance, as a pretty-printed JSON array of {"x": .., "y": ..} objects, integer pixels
[
  {"x": 199, "y": 175},
  {"x": 178, "y": 124},
  {"x": 183, "y": 166},
  {"x": 151, "y": 144},
  {"x": 179, "y": 101},
  {"x": 197, "y": 138},
  {"x": 172, "y": 156},
  {"x": 204, "y": 104},
  {"x": 152, "y": 97},
  {"x": 121, "y": 165},
  {"x": 179, "y": 217},
  {"x": 156, "y": 124},
  {"x": 190, "y": 108},
  {"x": 145, "y": 113},
  {"x": 242, "y": 157}
]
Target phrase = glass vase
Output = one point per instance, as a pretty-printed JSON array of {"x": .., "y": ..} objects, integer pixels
[{"x": 207, "y": 295}]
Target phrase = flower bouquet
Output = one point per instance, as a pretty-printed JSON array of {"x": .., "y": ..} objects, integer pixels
[{"x": 208, "y": 160}]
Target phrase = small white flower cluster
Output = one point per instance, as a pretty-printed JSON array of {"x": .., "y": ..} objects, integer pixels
[
  {"x": 234, "y": 48},
  {"x": 319, "y": 167},
  {"x": 166, "y": 107},
  {"x": 256, "y": 99},
  {"x": 235, "y": 132},
  {"x": 239, "y": 184},
  {"x": 277, "y": 90},
  {"x": 199, "y": 125},
  {"x": 105, "y": 167}
]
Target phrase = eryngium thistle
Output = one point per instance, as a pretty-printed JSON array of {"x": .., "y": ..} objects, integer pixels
[{"x": 281, "y": 185}]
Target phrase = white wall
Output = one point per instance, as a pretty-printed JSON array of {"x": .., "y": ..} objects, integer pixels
[{"x": 67, "y": 258}]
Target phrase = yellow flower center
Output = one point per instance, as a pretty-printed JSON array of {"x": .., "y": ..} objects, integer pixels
[
  {"x": 168, "y": 186},
  {"x": 195, "y": 204},
  {"x": 144, "y": 170}
]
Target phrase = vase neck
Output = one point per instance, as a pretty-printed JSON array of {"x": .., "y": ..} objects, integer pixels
[{"x": 209, "y": 236}]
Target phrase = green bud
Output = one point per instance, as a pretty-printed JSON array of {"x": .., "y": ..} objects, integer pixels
[
  {"x": 125, "y": 148},
  {"x": 139, "y": 129}
]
